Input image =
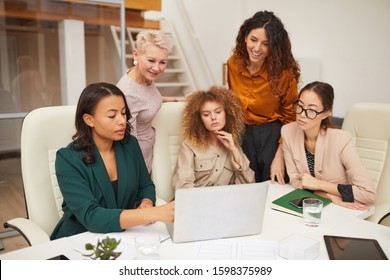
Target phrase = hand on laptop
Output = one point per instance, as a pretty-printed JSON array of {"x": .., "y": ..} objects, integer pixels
[
  {"x": 163, "y": 213},
  {"x": 166, "y": 212}
]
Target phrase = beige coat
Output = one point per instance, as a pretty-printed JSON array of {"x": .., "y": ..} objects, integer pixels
[
  {"x": 210, "y": 167},
  {"x": 336, "y": 160}
]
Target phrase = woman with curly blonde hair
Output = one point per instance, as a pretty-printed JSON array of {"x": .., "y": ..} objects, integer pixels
[{"x": 210, "y": 154}]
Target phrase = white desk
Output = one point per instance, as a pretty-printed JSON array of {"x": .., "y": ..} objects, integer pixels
[{"x": 277, "y": 225}]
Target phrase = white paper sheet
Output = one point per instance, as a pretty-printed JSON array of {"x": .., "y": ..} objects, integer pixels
[
  {"x": 253, "y": 249},
  {"x": 131, "y": 233}
]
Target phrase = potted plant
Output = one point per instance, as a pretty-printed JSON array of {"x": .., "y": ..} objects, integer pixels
[{"x": 104, "y": 249}]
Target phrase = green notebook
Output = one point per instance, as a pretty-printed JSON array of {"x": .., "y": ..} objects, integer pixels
[{"x": 283, "y": 203}]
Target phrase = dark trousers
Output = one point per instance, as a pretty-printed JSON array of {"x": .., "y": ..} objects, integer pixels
[{"x": 260, "y": 144}]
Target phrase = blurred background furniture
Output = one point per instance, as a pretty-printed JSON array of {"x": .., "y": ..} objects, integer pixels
[{"x": 370, "y": 128}]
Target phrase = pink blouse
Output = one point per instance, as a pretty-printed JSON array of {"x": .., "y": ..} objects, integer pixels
[{"x": 144, "y": 102}]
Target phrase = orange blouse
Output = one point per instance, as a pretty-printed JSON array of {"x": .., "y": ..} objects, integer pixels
[{"x": 260, "y": 103}]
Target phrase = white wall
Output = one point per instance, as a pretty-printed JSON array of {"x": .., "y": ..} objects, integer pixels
[
  {"x": 351, "y": 38},
  {"x": 212, "y": 25}
]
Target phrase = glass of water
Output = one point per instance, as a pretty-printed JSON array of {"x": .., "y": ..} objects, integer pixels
[
  {"x": 312, "y": 209},
  {"x": 148, "y": 246}
]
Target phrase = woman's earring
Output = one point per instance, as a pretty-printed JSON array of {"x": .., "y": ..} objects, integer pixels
[{"x": 135, "y": 62}]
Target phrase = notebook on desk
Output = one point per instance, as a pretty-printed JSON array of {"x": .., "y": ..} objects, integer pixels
[{"x": 218, "y": 212}]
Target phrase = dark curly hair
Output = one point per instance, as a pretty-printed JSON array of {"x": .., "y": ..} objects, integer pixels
[
  {"x": 88, "y": 101},
  {"x": 280, "y": 57},
  {"x": 194, "y": 130}
]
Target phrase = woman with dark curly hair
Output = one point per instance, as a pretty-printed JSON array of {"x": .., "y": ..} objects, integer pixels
[
  {"x": 210, "y": 154},
  {"x": 101, "y": 174},
  {"x": 263, "y": 73}
]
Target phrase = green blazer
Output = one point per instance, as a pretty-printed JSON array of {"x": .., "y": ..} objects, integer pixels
[{"x": 89, "y": 200}]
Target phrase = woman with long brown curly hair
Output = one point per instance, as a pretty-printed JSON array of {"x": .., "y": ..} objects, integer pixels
[
  {"x": 210, "y": 154},
  {"x": 263, "y": 73}
]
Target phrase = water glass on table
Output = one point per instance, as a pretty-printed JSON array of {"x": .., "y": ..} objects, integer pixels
[
  {"x": 147, "y": 246},
  {"x": 312, "y": 209}
]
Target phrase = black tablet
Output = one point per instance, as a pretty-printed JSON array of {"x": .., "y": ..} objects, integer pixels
[
  {"x": 352, "y": 248},
  {"x": 59, "y": 257}
]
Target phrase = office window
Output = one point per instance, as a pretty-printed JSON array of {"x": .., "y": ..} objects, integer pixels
[{"x": 30, "y": 73}]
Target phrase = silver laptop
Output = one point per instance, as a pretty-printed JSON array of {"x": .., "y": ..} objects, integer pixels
[{"x": 218, "y": 212}]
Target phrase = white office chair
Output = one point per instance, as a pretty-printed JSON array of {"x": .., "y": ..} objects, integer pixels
[
  {"x": 369, "y": 125},
  {"x": 167, "y": 124},
  {"x": 44, "y": 131}
]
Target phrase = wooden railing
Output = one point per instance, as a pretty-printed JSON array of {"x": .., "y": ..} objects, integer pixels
[{"x": 95, "y": 13}]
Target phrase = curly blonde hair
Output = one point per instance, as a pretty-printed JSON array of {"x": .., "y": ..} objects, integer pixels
[{"x": 194, "y": 130}]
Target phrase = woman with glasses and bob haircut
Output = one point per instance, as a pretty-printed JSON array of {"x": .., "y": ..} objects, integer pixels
[{"x": 322, "y": 158}]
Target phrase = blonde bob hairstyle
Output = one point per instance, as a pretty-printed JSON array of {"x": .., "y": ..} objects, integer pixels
[
  {"x": 153, "y": 37},
  {"x": 194, "y": 130}
]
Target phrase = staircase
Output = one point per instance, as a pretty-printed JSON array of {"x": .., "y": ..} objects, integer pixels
[{"x": 177, "y": 78}]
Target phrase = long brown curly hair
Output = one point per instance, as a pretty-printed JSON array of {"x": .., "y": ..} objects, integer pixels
[
  {"x": 194, "y": 130},
  {"x": 279, "y": 56}
]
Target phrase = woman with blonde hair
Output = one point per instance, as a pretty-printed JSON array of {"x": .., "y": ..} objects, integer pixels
[
  {"x": 210, "y": 154},
  {"x": 150, "y": 55}
]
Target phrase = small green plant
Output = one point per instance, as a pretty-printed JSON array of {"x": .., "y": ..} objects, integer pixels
[{"x": 104, "y": 250}]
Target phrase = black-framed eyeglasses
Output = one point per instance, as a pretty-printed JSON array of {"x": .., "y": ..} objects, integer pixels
[{"x": 310, "y": 113}]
